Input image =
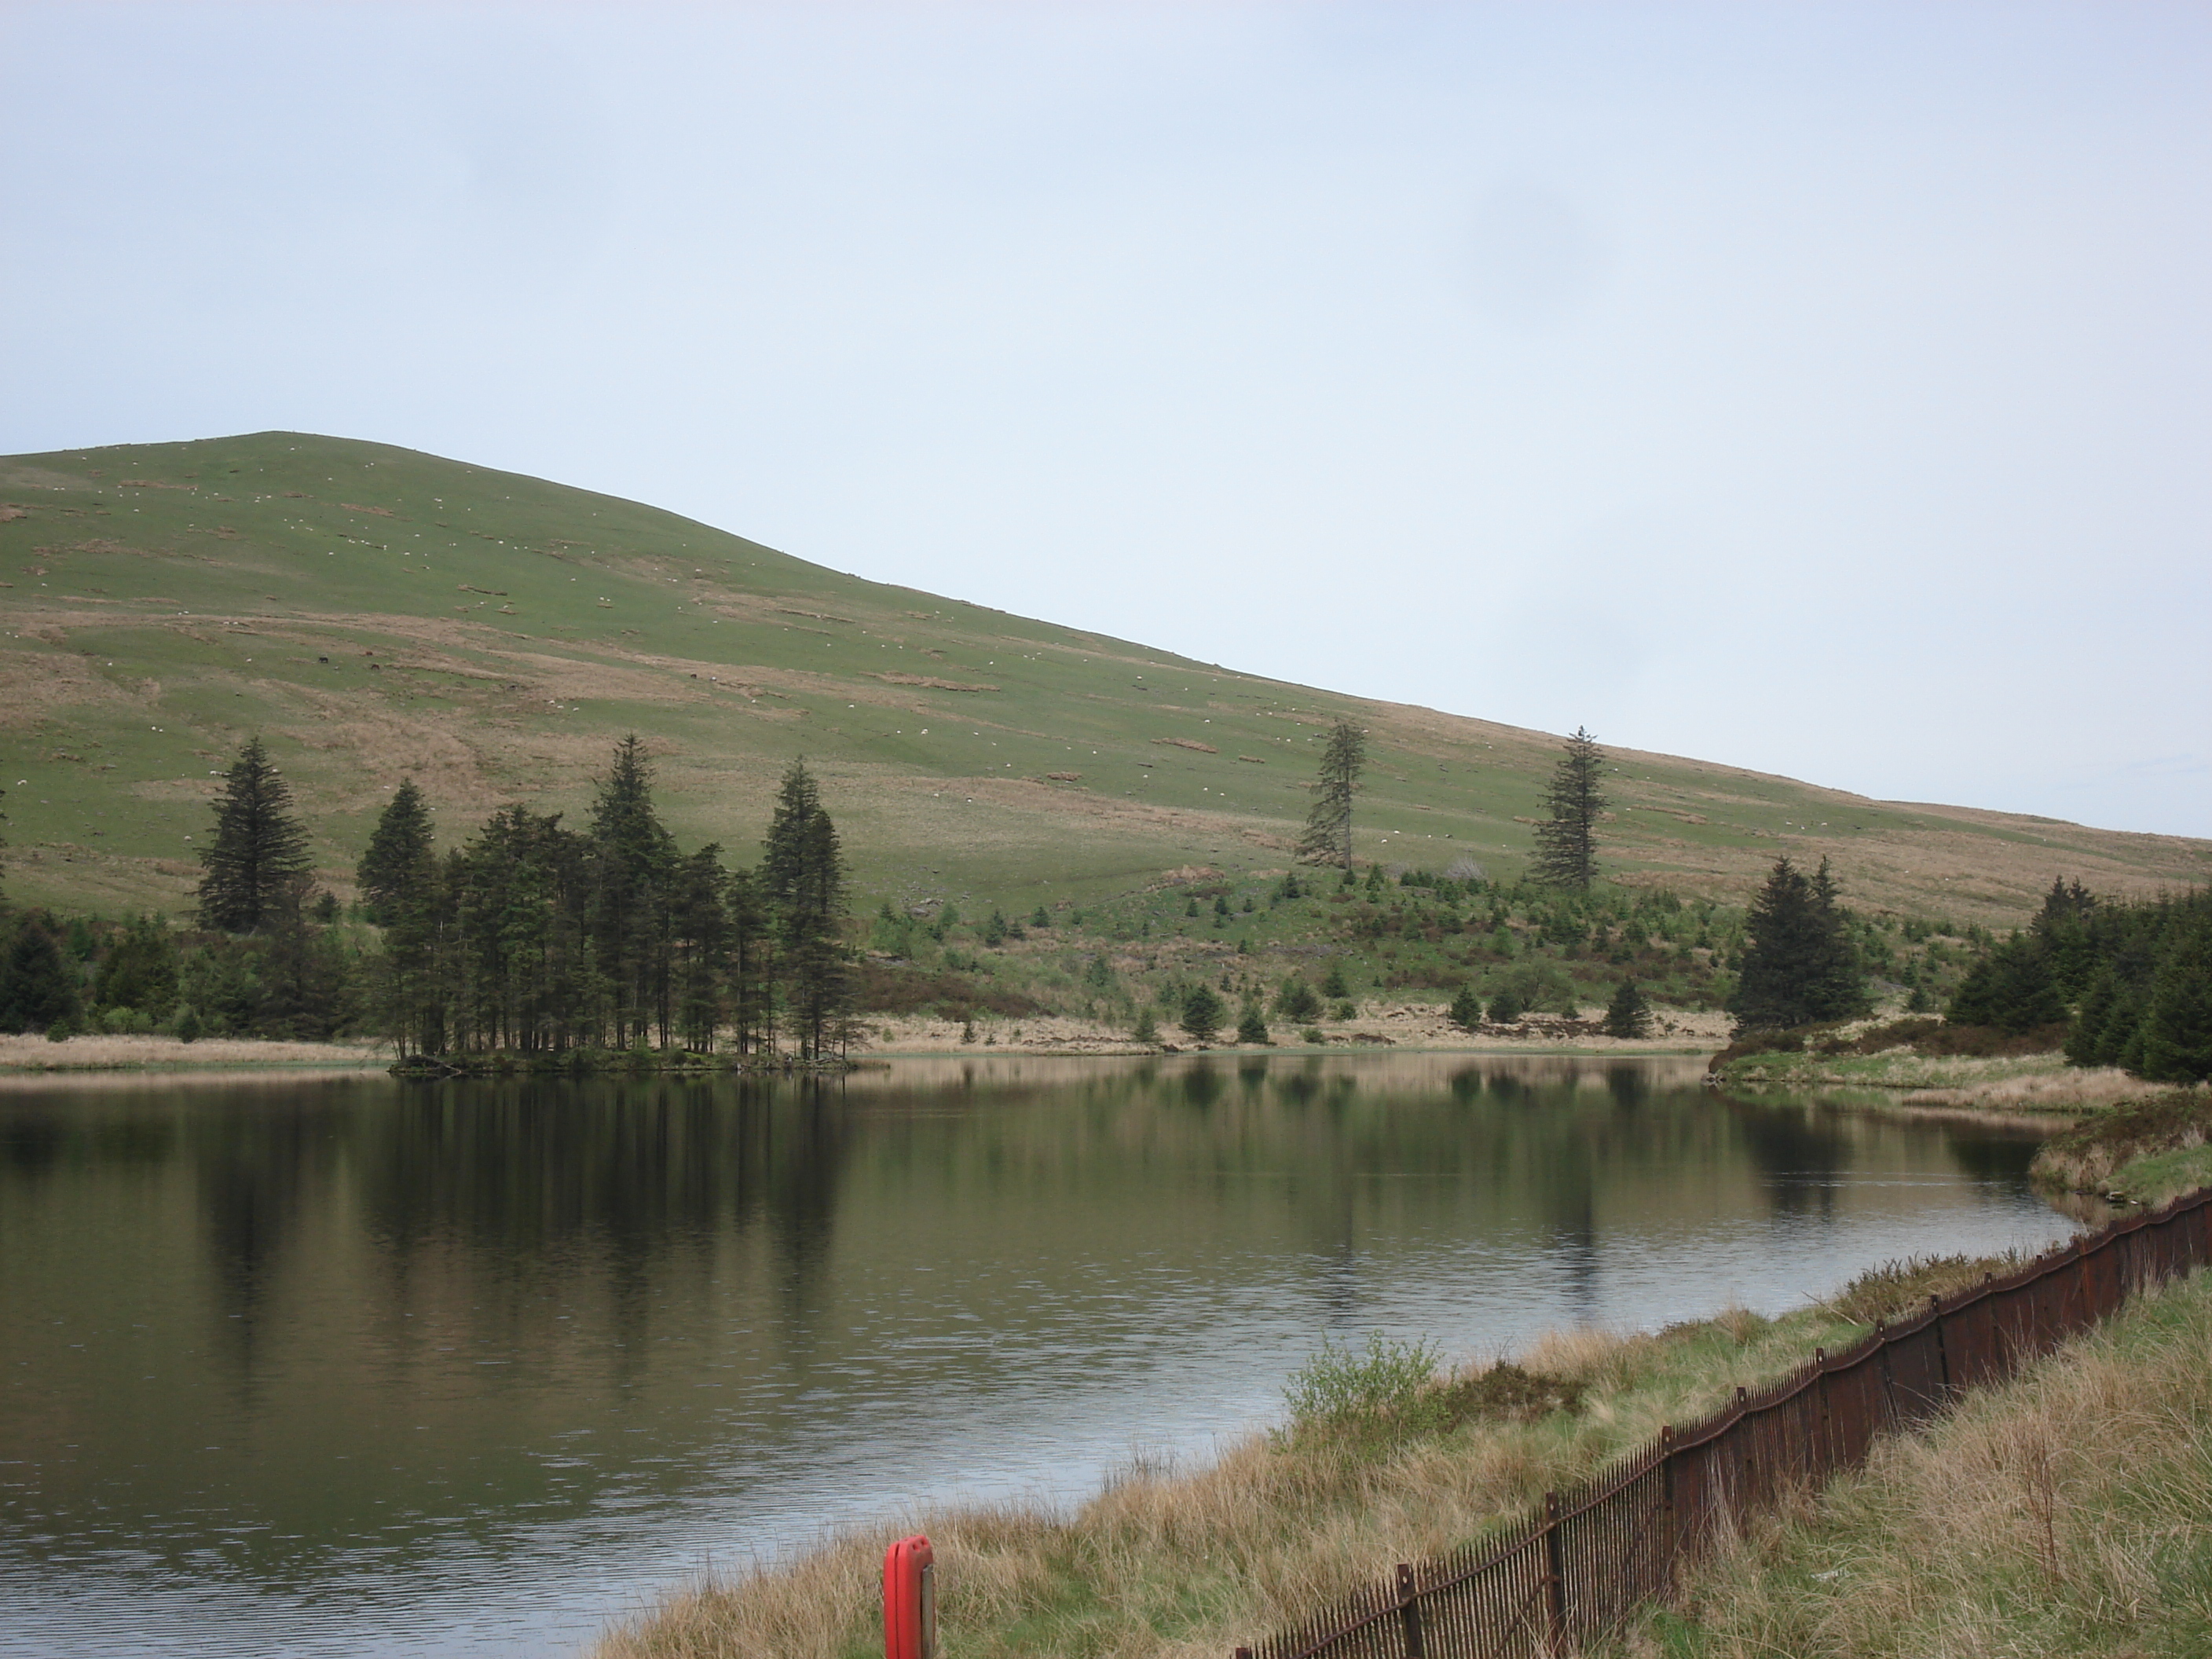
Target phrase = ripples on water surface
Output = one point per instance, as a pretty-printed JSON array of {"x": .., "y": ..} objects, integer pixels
[{"x": 353, "y": 1367}]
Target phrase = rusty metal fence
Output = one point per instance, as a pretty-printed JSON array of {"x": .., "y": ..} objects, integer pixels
[{"x": 1570, "y": 1573}]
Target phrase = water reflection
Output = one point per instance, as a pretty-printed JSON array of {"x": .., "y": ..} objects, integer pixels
[{"x": 353, "y": 1366}]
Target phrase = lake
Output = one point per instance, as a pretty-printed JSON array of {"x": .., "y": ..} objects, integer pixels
[{"x": 352, "y": 1366}]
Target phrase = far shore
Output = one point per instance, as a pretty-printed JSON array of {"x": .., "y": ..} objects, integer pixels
[
  {"x": 1411, "y": 1028},
  {"x": 2041, "y": 1084},
  {"x": 34, "y": 1056}
]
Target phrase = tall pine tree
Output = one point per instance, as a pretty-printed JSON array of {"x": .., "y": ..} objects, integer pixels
[
  {"x": 398, "y": 858},
  {"x": 1327, "y": 836},
  {"x": 256, "y": 862},
  {"x": 751, "y": 955},
  {"x": 1566, "y": 841},
  {"x": 802, "y": 876},
  {"x": 632, "y": 896}
]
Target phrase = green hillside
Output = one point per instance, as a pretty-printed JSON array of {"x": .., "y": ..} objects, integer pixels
[{"x": 375, "y": 612}]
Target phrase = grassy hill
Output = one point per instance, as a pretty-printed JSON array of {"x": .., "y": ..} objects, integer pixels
[{"x": 375, "y": 612}]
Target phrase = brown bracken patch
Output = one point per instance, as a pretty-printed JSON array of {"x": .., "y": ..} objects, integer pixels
[{"x": 932, "y": 682}]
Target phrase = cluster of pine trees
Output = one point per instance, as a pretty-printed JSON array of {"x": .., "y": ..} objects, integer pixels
[
  {"x": 2131, "y": 981},
  {"x": 535, "y": 938}
]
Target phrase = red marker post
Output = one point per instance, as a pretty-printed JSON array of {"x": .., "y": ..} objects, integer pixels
[{"x": 909, "y": 1601}]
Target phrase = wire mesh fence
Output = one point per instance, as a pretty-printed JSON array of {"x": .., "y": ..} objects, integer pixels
[{"x": 1570, "y": 1573}]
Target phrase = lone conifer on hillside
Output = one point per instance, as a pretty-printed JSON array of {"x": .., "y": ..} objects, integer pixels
[
  {"x": 256, "y": 862},
  {"x": 1328, "y": 837},
  {"x": 1566, "y": 841}
]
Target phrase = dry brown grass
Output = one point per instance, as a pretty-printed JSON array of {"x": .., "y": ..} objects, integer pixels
[
  {"x": 137, "y": 1054},
  {"x": 2087, "y": 1157},
  {"x": 2066, "y": 1512},
  {"x": 2072, "y": 1089}
]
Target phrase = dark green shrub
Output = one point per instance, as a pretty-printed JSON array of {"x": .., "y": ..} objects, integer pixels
[
  {"x": 1465, "y": 1011},
  {"x": 37, "y": 989},
  {"x": 1628, "y": 1014},
  {"x": 1202, "y": 1014}
]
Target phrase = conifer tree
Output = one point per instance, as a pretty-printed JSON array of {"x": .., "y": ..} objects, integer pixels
[
  {"x": 140, "y": 972},
  {"x": 1327, "y": 836},
  {"x": 399, "y": 859},
  {"x": 1566, "y": 841},
  {"x": 1202, "y": 1014},
  {"x": 803, "y": 880},
  {"x": 38, "y": 993},
  {"x": 636, "y": 858},
  {"x": 702, "y": 948},
  {"x": 1799, "y": 965},
  {"x": 1628, "y": 1014},
  {"x": 2175, "y": 1033},
  {"x": 1465, "y": 1011},
  {"x": 1252, "y": 1027},
  {"x": 256, "y": 862},
  {"x": 751, "y": 957},
  {"x": 2012, "y": 989}
]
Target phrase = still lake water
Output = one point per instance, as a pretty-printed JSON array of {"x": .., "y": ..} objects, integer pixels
[{"x": 357, "y": 1367}]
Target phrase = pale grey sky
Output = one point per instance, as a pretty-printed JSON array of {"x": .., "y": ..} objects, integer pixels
[{"x": 1825, "y": 389}]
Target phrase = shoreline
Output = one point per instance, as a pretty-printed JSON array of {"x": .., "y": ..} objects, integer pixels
[
  {"x": 1177, "y": 1562},
  {"x": 34, "y": 1056}
]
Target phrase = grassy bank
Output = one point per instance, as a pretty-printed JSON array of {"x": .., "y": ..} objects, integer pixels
[
  {"x": 1384, "y": 1460},
  {"x": 1925, "y": 1062},
  {"x": 2149, "y": 1147},
  {"x": 2065, "y": 1512}
]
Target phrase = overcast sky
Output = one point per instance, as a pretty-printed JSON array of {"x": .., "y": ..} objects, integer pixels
[{"x": 1824, "y": 389}]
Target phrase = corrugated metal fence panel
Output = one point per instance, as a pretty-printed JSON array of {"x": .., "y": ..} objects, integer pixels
[
  {"x": 1569, "y": 1575},
  {"x": 1916, "y": 1390},
  {"x": 1858, "y": 1405}
]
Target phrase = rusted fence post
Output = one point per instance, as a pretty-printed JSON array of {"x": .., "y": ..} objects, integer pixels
[
  {"x": 1828, "y": 1460},
  {"x": 1409, "y": 1611},
  {"x": 1745, "y": 1473},
  {"x": 1671, "y": 1525},
  {"x": 1555, "y": 1574},
  {"x": 1942, "y": 1354},
  {"x": 1888, "y": 1375}
]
